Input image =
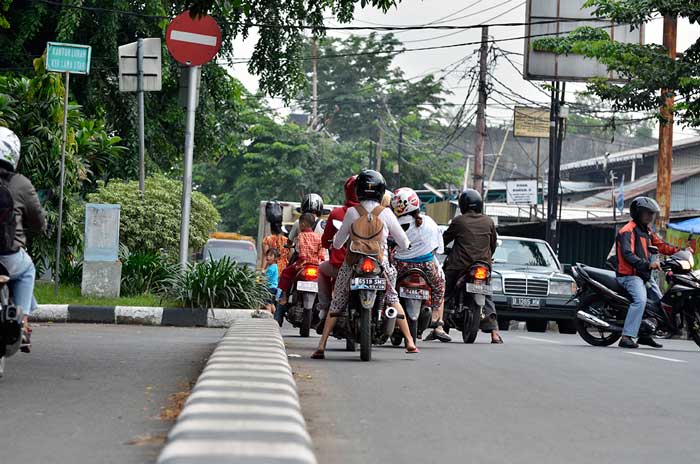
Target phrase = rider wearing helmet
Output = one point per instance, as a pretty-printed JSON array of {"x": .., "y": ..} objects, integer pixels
[
  {"x": 370, "y": 187},
  {"x": 426, "y": 240},
  {"x": 634, "y": 267},
  {"x": 28, "y": 217},
  {"x": 311, "y": 203},
  {"x": 475, "y": 239}
]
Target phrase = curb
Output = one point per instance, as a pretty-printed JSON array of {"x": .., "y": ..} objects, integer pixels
[
  {"x": 244, "y": 407},
  {"x": 140, "y": 315}
]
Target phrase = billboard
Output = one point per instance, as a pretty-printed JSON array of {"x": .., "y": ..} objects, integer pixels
[
  {"x": 521, "y": 192},
  {"x": 531, "y": 122},
  {"x": 549, "y": 18}
]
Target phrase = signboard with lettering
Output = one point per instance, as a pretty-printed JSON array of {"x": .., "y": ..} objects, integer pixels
[
  {"x": 521, "y": 192},
  {"x": 531, "y": 122},
  {"x": 71, "y": 58}
]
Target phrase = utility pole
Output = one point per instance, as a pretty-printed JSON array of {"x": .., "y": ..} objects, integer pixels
[
  {"x": 550, "y": 233},
  {"x": 139, "y": 92},
  {"x": 398, "y": 158},
  {"x": 495, "y": 163},
  {"x": 665, "y": 161},
  {"x": 481, "y": 114},
  {"x": 314, "y": 84}
]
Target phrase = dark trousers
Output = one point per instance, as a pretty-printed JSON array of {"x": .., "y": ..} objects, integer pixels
[{"x": 489, "y": 322}]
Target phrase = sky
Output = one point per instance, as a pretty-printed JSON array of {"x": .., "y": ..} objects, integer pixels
[{"x": 417, "y": 12}]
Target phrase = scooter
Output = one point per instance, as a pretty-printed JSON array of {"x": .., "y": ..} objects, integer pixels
[
  {"x": 415, "y": 296},
  {"x": 11, "y": 320}
]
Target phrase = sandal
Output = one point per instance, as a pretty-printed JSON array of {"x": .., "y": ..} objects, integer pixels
[
  {"x": 318, "y": 354},
  {"x": 413, "y": 350},
  {"x": 26, "y": 344},
  {"x": 497, "y": 342}
]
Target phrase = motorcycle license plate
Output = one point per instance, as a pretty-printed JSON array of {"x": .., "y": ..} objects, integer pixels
[
  {"x": 367, "y": 283},
  {"x": 523, "y": 302},
  {"x": 304, "y": 286},
  {"x": 414, "y": 293},
  {"x": 479, "y": 287}
]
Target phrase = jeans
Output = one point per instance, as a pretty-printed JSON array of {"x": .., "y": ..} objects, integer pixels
[
  {"x": 22, "y": 273},
  {"x": 639, "y": 292}
]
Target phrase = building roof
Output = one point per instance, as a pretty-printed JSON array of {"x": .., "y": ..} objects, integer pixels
[
  {"x": 642, "y": 185},
  {"x": 627, "y": 155}
]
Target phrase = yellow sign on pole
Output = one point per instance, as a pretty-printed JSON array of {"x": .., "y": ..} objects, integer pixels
[{"x": 531, "y": 122}]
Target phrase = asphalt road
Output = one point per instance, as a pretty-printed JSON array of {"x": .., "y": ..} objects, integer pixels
[
  {"x": 539, "y": 398},
  {"x": 95, "y": 393}
]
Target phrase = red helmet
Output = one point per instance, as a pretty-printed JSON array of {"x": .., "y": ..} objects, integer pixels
[
  {"x": 405, "y": 201},
  {"x": 350, "y": 194}
]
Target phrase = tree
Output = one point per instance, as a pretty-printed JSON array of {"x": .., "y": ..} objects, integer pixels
[{"x": 645, "y": 68}]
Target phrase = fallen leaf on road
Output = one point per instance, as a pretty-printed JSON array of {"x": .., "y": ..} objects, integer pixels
[{"x": 146, "y": 440}]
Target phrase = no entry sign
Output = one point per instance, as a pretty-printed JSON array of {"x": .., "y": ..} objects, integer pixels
[{"x": 193, "y": 41}]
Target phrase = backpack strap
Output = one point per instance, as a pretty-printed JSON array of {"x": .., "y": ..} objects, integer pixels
[
  {"x": 378, "y": 210},
  {"x": 361, "y": 210}
]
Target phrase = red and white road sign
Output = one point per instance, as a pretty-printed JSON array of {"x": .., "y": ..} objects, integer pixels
[{"x": 193, "y": 41}]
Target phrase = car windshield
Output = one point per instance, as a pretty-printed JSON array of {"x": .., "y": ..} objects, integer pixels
[
  {"x": 238, "y": 254},
  {"x": 524, "y": 253}
]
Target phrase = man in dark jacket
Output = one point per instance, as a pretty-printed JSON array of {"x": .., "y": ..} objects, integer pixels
[
  {"x": 475, "y": 239},
  {"x": 634, "y": 266},
  {"x": 30, "y": 219}
]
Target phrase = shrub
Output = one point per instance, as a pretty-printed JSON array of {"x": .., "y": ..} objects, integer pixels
[
  {"x": 217, "y": 284},
  {"x": 152, "y": 224},
  {"x": 144, "y": 272}
]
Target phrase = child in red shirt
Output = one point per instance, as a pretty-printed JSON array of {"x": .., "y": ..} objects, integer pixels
[{"x": 309, "y": 250}]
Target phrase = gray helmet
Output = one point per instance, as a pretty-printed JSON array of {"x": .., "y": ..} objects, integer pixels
[
  {"x": 9, "y": 147},
  {"x": 312, "y": 203},
  {"x": 643, "y": 203}
]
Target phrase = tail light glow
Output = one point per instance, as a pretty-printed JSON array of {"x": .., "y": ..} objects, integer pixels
[
  {"x": 311, "y": 272},
  {"x": 367, "y": 266},
  {"x": 481, "y": 273}
]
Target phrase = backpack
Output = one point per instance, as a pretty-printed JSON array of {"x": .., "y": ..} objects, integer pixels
[
  {"x": 273, "y": 212},
  {"x": 366, "y": 236},
  {"x": 8, "y": 219}
]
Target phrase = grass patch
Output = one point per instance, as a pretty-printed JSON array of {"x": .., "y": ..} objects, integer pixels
[{"x": 71, "y": 295}]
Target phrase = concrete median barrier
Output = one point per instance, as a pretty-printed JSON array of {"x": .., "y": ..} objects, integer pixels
[{"x": 244, "y": 408}]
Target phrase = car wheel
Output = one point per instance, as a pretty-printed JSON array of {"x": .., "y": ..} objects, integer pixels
[
  {"x": 567, "y": 327},
  {"x": 536, "y": 326}
]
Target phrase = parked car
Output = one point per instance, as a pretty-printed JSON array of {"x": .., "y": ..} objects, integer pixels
[
  {"x": 240, "y": 251},
  {"x": 529, "y": 284}
]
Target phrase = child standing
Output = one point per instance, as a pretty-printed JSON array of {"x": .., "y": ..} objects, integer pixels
[{"x": 272, "y": 274}]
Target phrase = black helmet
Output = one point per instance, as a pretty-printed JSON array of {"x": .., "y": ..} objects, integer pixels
[
  {"x": 640, "y": 204},
  {"x": 370, "y": 185},
  {"x": 470, "y": 200},
  {"x": 312, "y": 203}
]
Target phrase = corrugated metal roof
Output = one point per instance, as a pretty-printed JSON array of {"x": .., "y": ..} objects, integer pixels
[
  {"x": 640, "y": 186},
  {"x": 628, "y": 155}
]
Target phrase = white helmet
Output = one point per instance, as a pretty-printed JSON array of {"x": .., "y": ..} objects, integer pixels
[
  {"x": 405, "y": 201},
  {"x": 9, "y": 147}
]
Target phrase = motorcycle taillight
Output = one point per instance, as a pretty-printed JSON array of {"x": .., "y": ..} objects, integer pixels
[
  {"x": 414, "y": 280},
  {"x": 481, "y": 273},
  {"x": 368, "y": 266},
  {"x": 311, "y": 273}
]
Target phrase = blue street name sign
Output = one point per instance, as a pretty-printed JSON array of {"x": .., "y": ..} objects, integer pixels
[{"x": 71, "y": 58}]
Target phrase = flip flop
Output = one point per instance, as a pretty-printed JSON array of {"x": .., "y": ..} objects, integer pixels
[
  {"x": 318, "y": 354},
  {"x": 497, "y": 342},
  {"x": 412, "y": 351}
]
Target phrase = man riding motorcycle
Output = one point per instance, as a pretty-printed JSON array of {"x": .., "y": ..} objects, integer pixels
[
  {"x": 28, "y": 216},
  {"x": 634, "y": 267},
  {"x": 475, "y": 239},
  {"x": 328, "y": 270}
]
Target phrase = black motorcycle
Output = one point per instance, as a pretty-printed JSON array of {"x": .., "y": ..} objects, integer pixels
[
  {"x": 11, "y": 318},
  {"x": 367, "y": 321},
  {"x": 603, "y": 303},
  {"x": 464, "y": 306}
]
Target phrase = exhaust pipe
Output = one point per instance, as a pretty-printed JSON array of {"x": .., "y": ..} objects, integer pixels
[
  {"x": 584, "y": 316},
  {"x": 390, "y": 320}
]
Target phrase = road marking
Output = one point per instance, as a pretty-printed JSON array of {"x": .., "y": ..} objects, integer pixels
[
  {"x": 539, "y": 340},
  {"x": 656, "y": 357},
  {"x": 192, "y": 37}
]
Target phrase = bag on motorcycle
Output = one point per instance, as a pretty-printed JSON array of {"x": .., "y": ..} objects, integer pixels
[
  {"x": 273, "y": 212},
  {"x": 366, "y": 236},
  {"x": 8, "y": 220}
]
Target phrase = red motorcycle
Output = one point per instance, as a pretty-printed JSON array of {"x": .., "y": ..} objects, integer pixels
[{"x": 303, "y": 299}]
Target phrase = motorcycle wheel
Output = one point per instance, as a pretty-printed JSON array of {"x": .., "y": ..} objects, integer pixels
[
  {"x": 472, "y": 320},
  {"x": 350, "y": 345},
  {"x": 365, "y": 335},
  {"x": 306, "y": 323},
  {"x": 693, "y": 324},
  {"x": 396, "y": 340},
  {"x": 593, "y": 335}
]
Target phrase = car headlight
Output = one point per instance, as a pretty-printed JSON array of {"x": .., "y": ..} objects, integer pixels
[
  {"x": 561, "y": 287},
  {"x": 496, "y": 283}
]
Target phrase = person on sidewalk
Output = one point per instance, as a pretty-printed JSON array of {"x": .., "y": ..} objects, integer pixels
[
  {"x": 634, "y": 266},
  {"x": 272, "y": 274},
  {"x": 21, "y": 214}
]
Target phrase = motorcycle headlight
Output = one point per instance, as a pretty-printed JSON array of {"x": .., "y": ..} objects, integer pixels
[
  {"x": 496, "y": 283},
  {"x": 562, "y": 287}
]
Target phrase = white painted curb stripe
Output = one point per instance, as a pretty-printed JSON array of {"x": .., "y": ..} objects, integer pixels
[
  {"x": 274, "y": 451},
  {"x": 193, "y": 37},
  {"x": 238, "y": 425}
]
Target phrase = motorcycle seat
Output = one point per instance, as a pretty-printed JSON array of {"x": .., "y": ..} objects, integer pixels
[{"x": 605, "y": 277}]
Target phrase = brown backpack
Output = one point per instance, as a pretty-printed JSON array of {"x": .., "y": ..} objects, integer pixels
[{"x": 366, "y": 236}]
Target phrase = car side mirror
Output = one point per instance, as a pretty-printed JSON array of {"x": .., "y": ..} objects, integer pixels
[{"x": 567, "y": 268}]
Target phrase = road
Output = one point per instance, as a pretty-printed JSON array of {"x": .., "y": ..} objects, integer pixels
[
  {"x": 96, "y": 393},
  {"x": 539, "y": 398}
]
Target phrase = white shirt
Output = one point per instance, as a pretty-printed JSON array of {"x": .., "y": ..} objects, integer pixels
[
  {"x": 391, "y": 226},
  {"x": 424, "y": 239}
]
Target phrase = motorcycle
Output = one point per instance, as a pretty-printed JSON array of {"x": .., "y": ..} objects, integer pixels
[
  {"x": 464, "y": 308},
  {"x": 11, "y": 318},
  {"x": 415, "y": 296},
  {"x": 603, "y": 302},
  {"x": 303, "y": 300},
  {"x": 367, "y": 321}
]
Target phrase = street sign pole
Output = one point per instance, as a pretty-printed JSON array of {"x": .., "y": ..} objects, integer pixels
[
  {"x": 57, "y": 267},
  {"x": 187, "y": 174},
  {"x": 142, "y": 142}
]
